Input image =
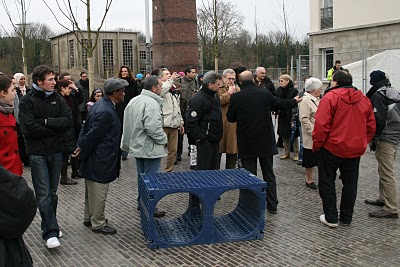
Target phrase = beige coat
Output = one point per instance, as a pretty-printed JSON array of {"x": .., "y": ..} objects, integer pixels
[
  {"x": 307, "y": 109},
  {"x": 172, "y": 117},
  {"x": 228, "y": 143}
]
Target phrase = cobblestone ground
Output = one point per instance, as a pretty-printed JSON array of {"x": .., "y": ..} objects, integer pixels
[{"x": 293, "y": 237}]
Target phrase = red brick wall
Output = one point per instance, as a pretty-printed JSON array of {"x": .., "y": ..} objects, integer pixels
[{"x": 175, "y": 42}]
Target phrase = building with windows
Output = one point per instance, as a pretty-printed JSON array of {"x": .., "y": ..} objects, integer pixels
[
  {"x": 113, "y": 50},
  {"x": 351, "y": 31}
]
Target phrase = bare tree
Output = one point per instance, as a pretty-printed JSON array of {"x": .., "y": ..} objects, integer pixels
[
  {"x": 217, "y": 27},
  {"x": 20, "y": 28},
  {"x": 84, "y": 37},
  {"x": 37, "y": 45},
  {"x": 284, "y": 18}
]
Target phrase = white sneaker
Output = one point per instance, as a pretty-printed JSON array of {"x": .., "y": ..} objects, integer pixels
[
  {"x": 60, "y": 234},
  {"x": 323, "y": 220},
  {"x": 52, "y": 242}
]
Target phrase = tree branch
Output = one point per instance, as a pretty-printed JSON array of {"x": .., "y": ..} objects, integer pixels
[{"x": 108, "y": 5}]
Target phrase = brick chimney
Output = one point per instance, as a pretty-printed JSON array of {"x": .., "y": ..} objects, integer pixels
[{"x": 175, "y": 42}]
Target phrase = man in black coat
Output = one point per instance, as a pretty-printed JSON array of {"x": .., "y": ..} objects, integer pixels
[
  {"x": 98, "y": 147},
  {"x": 251, "y": 109},
  {"x": 204, "y": 122},
  {"x": 44, "y": 118},
  {"x": 83, "y": 85},
  {"x": 17, "y": 210}
]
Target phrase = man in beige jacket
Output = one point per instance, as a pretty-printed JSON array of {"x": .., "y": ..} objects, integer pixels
[
  {"x": 228, "y": 143},
  {"x": 172, "y": 118}
]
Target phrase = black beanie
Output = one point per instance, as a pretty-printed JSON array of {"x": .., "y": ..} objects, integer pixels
[{"x": 377, "y": 76}]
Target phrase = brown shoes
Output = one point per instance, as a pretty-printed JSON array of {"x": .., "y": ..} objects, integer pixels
[
  {"x": 383, "y": 214},
  {"x": 285, "y": 157},
  {"x": 374, "y": 202}
]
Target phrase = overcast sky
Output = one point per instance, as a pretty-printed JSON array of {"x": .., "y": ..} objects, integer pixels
[{"x": 130, "y": 14}]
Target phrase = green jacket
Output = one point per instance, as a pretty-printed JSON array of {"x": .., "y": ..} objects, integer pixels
[
  {"x": 329, "y": 75},
  {"x": 143, "y": 133},
  {"x": 187, "y": 90}
]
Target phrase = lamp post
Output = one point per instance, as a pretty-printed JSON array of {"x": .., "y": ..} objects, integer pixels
[{"x": 148, "y": 45}]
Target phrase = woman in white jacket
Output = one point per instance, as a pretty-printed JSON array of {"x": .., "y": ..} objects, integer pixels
[{"x": 307, "y": 109}]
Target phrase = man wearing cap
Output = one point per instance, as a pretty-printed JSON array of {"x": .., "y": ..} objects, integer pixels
[
  {"x": 386, "y": 102},
  {"x": 98, "y": 145}
]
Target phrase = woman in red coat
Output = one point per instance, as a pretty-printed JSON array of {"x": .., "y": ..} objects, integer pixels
[{"x": 9, "y": 156}]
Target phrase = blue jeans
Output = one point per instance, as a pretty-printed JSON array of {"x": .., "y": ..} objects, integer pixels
[
  {"x": 147, "y": 166},
  {"x": 124, "y": 154},
  {"x": 45, "y": 171}
]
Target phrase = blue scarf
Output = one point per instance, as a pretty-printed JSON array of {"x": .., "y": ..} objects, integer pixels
[{"x": 36, "y": 87}]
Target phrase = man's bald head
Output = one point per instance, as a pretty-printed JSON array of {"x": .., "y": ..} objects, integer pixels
[
  {"x": 246, "y": 76},
  {"x": 260, "y": 69},
  {"x": 260, "y": 73}
]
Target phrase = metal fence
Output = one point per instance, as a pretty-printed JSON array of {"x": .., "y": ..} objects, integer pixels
[{"x": 359, "y": 63}]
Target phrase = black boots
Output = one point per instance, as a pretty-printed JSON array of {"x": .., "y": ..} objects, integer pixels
[{"x": 65, "y": 180}]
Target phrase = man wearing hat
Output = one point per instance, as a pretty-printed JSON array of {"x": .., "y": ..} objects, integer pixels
[
  {"x": 386, "y": 102},
  {"x": 98, "y": 145}
]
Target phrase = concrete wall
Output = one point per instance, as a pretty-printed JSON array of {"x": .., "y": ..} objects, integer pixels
[
  {"x": 347, "y": 44},
  {"x": 360, "y": 12},
  {"x": 355, "y": 12},
  {"x": 315, "y": 18}
]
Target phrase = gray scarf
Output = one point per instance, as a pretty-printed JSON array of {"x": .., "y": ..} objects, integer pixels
[{"x": 5, "y": 107}]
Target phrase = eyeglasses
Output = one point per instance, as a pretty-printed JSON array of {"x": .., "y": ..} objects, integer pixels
[
  {"x": 84, "y": 76},
  {"x": 233, "y": 79}
]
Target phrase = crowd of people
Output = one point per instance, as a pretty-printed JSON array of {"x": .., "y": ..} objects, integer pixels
[{"x": 57, "y": 123}]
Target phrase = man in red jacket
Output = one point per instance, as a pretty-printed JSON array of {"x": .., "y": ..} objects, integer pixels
[{"x": 344, "y": 125}]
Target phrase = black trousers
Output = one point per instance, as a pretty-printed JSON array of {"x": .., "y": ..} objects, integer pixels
[
  {"x": 231, "y": 160},
  {"x": 349, "y": 170},
  {"x": 207, "y": 155},
  {"x": 266, "y": 164},
  {"x": 180, "y": 143}
]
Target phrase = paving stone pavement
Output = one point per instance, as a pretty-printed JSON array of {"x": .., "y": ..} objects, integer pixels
[{"x": 293, "y": 237}]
